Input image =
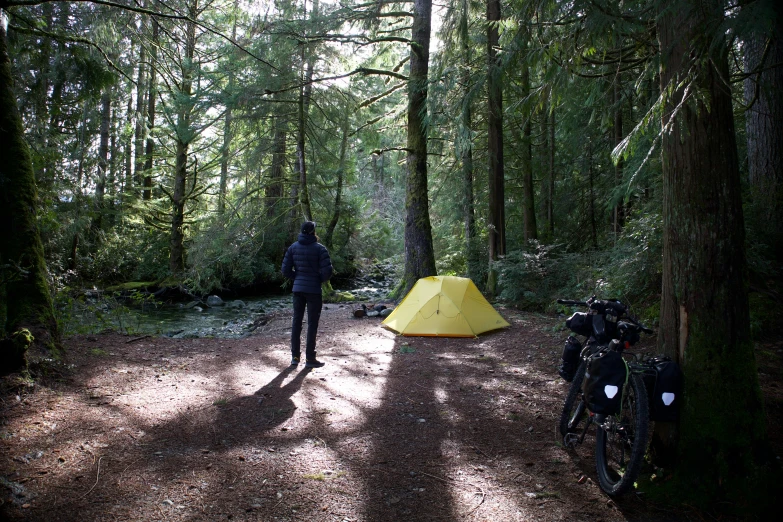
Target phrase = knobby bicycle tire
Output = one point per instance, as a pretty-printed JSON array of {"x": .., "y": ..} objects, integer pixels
[
  {"x": 574, "y": 410},
  {"x": 621, "y": 441}
]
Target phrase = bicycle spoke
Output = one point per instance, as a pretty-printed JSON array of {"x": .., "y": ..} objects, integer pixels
[{"x": 621, "y": 441}]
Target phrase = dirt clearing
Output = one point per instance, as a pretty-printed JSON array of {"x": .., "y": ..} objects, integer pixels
[{"x": 392, "y": 428}]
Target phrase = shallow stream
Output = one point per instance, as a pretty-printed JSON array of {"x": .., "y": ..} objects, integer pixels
[{"x": 235, "y": 318}]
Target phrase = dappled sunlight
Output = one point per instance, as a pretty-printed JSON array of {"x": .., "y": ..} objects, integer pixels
[
  {"x": 360, "y": 378},
  {"x": 392, "y": 428}
]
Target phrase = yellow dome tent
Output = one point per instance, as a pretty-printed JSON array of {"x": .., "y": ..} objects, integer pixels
[{"x": 444, "y": 306}]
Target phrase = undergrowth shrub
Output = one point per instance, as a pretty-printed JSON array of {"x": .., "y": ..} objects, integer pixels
[
  {"x": 234, "y": 254},
  {"x": 138, "y": 253},
  {"x": 534, "y": 276}
]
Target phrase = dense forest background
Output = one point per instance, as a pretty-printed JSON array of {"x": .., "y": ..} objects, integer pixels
[{"x": 185, "y": 141}]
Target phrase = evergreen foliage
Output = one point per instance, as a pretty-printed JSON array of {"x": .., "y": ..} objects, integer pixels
[{"x": 590, "y": 65}]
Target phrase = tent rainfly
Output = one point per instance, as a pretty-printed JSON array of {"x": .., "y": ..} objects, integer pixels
[{"x": 444, "y": 306}]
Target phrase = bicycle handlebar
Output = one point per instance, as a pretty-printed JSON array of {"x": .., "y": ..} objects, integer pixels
[
  {"x": 615, "y": 305},
  {"x": 640, "y": 325}
]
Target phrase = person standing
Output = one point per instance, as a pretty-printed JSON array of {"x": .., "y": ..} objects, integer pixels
[{"x": 308, "y": 264}]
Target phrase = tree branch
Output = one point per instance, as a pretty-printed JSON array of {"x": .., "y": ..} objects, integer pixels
[
  {"x": 5, "y": 4},
  {"x": 390, "y": 149},
  {"x": 361, "y": 70},
  {"x": 62, "y": 38}
]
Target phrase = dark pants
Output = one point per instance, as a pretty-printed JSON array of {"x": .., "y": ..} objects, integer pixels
[{"x": 313, "y": 303}]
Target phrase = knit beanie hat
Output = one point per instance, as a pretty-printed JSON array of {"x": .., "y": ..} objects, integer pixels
[{"x": 308, "y": 227}]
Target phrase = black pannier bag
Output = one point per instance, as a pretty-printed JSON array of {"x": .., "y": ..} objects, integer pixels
[
  {"x": 580, "y": 323},
  {"x": 605, "y": 378},
  {"x": 570, "y": 360},
  {"x": 664, "y": 389}
]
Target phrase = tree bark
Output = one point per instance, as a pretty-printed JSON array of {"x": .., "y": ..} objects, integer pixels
[
  {"x": 465, "y": 145},
  {"x": 496, "y": 218},
  {"x": 114, "y": 158},
  {"x": 139, "y": 142},
  {"x": 126, "y": 192},
  {"x": 305, "y": 93},
  {"x": 182, "y": 142},
  {"x": 618, "y": 213},
  {"x": 764, "y": 130},
  {"x": 328, "y": 237},
  {"x": 103, "y": 160},
  {"x": 152, "y": 93},
  {"x": 419, "y": 253},
  {"x": 591, "y": 195},
  {"x": 73, "y": 260},
  {"x": 25, "y": 301},
  {"x": 42, "y": 134},
  {"x": 274, "y": 189},
  {"x": 225, "y": 151},
  {"x": 704, "y": 309},
  {"x": 550, "y": 213},
  {"x": 528, "y": 191},
  {"x": 304, "y": 109}
]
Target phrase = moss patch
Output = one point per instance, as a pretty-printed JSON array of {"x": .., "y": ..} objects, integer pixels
[{"x": 14, "y": 351}]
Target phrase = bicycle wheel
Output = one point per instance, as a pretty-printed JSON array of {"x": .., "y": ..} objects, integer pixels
[
  {"x": 574, "y": 411},
  {"x": 621, "y": 440}
]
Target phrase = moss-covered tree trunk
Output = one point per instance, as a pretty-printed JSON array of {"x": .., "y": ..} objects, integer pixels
[
  {"x": 25, "y": 302},
  {"x": 704, "y": 311},
  {"x": 329, "y": 237},
  {"x": 419, "y": 254}
]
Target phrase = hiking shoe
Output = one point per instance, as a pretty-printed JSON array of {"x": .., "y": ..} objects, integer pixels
[
  {"x": 313, "y": 363},
  {"x": 294, "y": 361}
]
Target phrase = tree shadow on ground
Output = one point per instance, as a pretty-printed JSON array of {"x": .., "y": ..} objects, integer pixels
[{"x": 391, "y": 429}]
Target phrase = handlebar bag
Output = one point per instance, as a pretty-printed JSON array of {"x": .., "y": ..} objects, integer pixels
[
  {"x": 599, "y": 329},
  {"x": 606, "y": 376},
  {"x": 664, "y": 389},
  {"x": 570, "y": 359},
  {"x": 580, "y": 323}
]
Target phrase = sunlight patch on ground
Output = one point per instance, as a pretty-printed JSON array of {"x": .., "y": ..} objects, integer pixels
[
  {"x": 441, "y": 395},
  {"x": 368, "y": 363},
  {"x": 476, "y": 486}
]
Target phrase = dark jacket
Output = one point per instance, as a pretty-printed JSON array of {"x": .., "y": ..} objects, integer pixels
[{"x": 307, "y": 262}]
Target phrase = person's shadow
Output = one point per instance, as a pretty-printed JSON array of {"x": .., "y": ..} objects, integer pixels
[
  {"x": 248, "y": 416},
  {"x": 274, "y": 398}
]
